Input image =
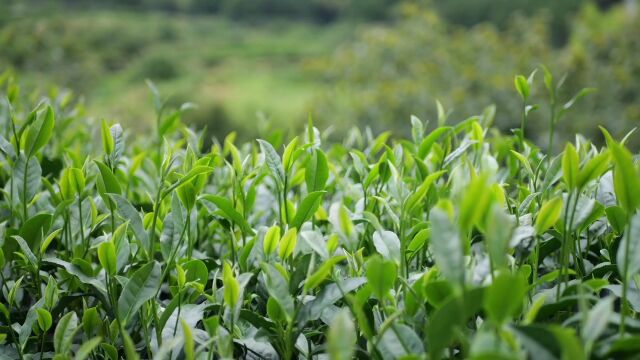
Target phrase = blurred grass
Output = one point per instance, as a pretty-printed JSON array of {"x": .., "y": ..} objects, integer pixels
[{"x": 232, "y": 70}]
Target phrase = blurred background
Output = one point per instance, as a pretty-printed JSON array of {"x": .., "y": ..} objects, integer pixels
[{"x": 256, "y": 65}]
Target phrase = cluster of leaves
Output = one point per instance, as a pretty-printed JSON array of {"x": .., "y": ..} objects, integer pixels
[{"x": 458, "y": 242}]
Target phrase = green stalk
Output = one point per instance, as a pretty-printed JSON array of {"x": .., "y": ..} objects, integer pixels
[
  {"x": 24, "y": 190},
  {"x": 625, "y": 279},
  {"x": 82, "y": 239},
  {"x": 8, "y": 317},
  {"x": 523, "y": 119}
]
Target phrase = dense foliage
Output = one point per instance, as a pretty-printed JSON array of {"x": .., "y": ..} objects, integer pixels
[
  {"x": 394, "y": 71},
  {"x": 456, "y": 242}
]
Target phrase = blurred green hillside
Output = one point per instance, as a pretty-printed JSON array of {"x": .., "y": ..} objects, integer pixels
[
  {"x": 230, "y": 70},
  {"x": 368, "y": 63}
]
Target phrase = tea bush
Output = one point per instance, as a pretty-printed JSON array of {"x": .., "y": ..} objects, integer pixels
[{"x": 459, "y": 242}]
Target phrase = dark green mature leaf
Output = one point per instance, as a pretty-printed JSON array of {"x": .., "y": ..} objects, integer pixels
[
  {"x": 79, "y": 273},
  {"x": 272, "y": 159},
  {"x": 130, "y": 214},
  {"x": 34, "y": 229},
  {"x": 307, "y": 208},
  {"x": 39, "y": 132},
  {"x": 108, "y": 180},
  {"x": 447, "y": 246},
  {"x": 329, "y": 294},
  {"x": 230, "y": 212},
  {"x": 630, "y": 239},
  {"x": 316, "y": 171},
  {"x": 27, "y": 175},
  {"x": 24, "y": 247},
  {"x": 142, "y": 286},
  {"x": 65, "y": 330},
  {"x": 277, "y": 287}
]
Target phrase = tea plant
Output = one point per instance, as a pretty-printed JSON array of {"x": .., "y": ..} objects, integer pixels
[{"x": 458, "y": 242}]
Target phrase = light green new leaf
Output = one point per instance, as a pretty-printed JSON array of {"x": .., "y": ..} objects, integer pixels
[
  {"x": 316, "y": 171},
  {"x": 231, "y": 286},
  {"x": 271, "y": 239},
  {"x": 107, "y": 139},
  {"x": 415, "y": 199},
  {"x": 288, "y": 155},
  {"x": 44, "y": 319},
  {"x": 522, "y": 86},
  {"x": 503, "y": 298},
  {"x": 107, "y": 257},
  {"x": 570, "y": 166},
  {"x": 626, "y": 180},
  {"x": 288, "y": 243},
  {"x": 322, "y": 273},
  {"x": 594, "y": 168},
  {"x": 381, "y": 275},
  {"x": 548, "y": 215},
  {"x": 476, "y": 200},
  {"x": 189, "y": 344}
]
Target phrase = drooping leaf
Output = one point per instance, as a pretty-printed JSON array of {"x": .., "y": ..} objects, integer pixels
[{"x": 141, "y": 287}]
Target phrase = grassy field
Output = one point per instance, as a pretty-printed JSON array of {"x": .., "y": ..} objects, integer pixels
[{"x": 231, "y": 70}]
